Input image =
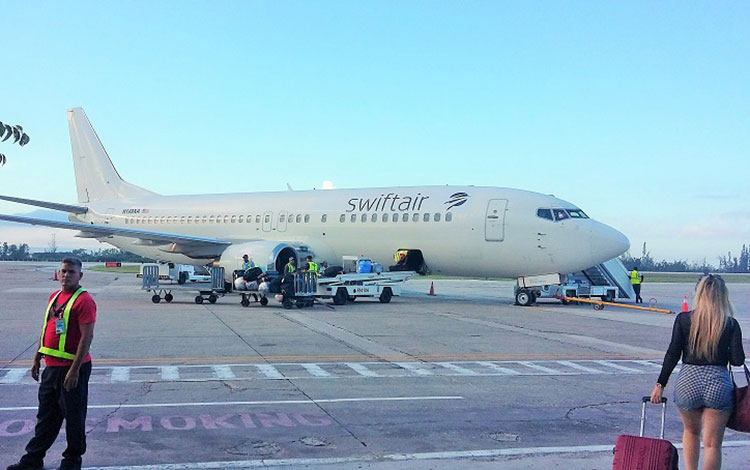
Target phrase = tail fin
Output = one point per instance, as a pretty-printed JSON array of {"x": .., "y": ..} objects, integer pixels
[{"x": 96, "y": 177}]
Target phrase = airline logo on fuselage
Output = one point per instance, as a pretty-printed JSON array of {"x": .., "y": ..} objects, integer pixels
[
  {"x": 391, "y": 201},
  {"x": 457, "y": 199}
]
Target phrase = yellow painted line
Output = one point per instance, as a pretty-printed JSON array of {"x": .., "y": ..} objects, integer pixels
[
  {"x": 352, "y": 358},
  {"x": 613, "y": 304}
]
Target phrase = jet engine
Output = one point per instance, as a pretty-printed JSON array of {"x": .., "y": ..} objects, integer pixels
[{"x": 268, "y": 254}]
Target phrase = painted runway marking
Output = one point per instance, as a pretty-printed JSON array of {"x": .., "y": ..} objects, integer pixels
[
  {"x": 252, "y": 403},
  {"x": 120, "y": 374},
  {"x": 538, "y": 367},
  {"x": 14, "y": 376},
  {"x": 170, "y": 373},
  {"x": 450, "y": 455},
  {"x": 617, "y": 366},
  {"x": 315, "y": 370},
  {"x": 223, "y": 372},
  {"x": 269, "y": 371},
  {"x": 580, "y": 367},
  {"x": 362, "y": 370},
  {"x": 414, "y": 368},
  {"x": 348, "y": 370}
]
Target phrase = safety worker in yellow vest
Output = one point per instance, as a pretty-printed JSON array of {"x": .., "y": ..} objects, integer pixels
[
  {"x": 400, "y": 256},
  {"x": 290, "y": 267},
  {"x": 64, "y": 343},
  {"x": 636, "y": 279},
  {"x": 312, "y": 266},
  {"x": 247, "y": 263}
]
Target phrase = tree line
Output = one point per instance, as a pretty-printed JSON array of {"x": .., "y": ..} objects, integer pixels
[
  {"x": 725, "y": 264},
  {"x": 13, "y": 252}
]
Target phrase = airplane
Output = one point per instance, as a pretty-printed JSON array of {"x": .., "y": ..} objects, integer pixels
[{"x": 448, "y": 230}]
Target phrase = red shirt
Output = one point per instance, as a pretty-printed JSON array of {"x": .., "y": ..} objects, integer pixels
[{"x": 82, "y": 312}]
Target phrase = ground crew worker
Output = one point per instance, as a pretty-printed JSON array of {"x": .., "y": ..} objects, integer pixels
[
  {"x": 290, "y": 268},
  {"x": 247, "y": 263},
  {"x": 63, "y": 393},
  {"x": 312, "y": 266},
  {"x": 400, "y": 257},
  {"x": 636, "y": 280}
]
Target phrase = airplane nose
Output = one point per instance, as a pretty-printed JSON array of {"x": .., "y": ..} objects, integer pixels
[{"x": 607, "y": 243}]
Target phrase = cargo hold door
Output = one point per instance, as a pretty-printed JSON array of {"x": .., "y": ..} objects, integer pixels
[{"x": 494, "y": 222}]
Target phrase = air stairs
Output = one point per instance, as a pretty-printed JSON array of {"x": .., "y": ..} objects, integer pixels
[{"x": 609, "y": 273}]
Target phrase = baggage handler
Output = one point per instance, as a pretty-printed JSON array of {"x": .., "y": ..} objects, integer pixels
[
  {"x": 247, "y": 263},
  {"x": 290, "y": 268},
  {"x": 64, "y": 343},
  {"x": 707, "y": 338},
  {"x": 636, "y": 279},
  {"x": 312, "y": 266}
]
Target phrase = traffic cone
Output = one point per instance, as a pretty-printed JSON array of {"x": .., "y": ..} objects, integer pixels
[
  {"x": 432, "y": 288},
  {"x": 685, "y": 307},
  {"x": 55, "y": 278}
]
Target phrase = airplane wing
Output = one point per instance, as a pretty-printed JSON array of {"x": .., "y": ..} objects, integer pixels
[
  {"x": 194, "y": 247},
  {"x": 47, "y": 205}
]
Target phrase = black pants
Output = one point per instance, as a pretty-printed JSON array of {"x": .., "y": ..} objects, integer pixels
[
  {"x": 637, "y": 290},
  {"x": 56, "y": 405}
]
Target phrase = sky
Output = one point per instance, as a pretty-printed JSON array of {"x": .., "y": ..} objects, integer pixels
[{"x": 637, "y": 112}]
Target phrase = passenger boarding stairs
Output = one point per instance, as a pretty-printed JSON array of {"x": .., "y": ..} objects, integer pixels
[{"x": 609, "y": 273}]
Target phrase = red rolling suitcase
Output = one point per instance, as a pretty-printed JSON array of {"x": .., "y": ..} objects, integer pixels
[{"x": 645, "y": 453}]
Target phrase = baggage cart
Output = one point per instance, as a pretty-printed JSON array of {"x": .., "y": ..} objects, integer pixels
[{"x": 211, "y": 293}]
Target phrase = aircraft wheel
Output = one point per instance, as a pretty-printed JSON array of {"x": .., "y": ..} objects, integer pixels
[
  {"x": 340, "y": 297},
  {"x": 264, "y": 301},
  {"x": 386, "y": 295},
  {"x": 212, "y": 298},
  {"x": 169, "y": 298},
  {"x": 523, "y": 298},
  {"x": 156, "y": 299},
  {"x": 198, "y": 299}
]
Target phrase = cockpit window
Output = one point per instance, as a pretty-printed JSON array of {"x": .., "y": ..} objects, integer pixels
[
  {"x": 544, "y": 214},
  {"x": 560, "y": 214},
  {"x": 577, "y": 214}
]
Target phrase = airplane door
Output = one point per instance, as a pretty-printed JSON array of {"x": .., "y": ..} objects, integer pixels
[
  {"x": 267, "y": 218},
  {"x": 494, "y": 222},
  {"x": 281, "y": 224}
]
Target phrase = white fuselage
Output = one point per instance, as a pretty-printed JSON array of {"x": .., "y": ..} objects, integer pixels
[{"x": 496, "y": 232}]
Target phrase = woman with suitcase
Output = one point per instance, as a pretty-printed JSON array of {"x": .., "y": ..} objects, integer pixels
[{"x": 707, "y": 339}]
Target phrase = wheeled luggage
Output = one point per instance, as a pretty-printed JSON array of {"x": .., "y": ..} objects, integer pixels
[{"x": 645, "y": 453}]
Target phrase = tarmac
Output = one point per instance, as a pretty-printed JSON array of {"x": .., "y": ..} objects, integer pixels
[{"x": 460, "y": 380}]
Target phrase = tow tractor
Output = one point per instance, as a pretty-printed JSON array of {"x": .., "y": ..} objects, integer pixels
[{"x": 352, "y": 282}]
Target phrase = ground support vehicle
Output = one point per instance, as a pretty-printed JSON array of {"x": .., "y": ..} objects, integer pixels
[
  {"x": 211, "y": 293},
  {"x": 576, "y": 290},
  {"x": 343, "y": 287}
]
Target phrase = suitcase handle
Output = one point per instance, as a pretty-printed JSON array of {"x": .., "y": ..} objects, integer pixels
[{"x": 663, "y": 415}]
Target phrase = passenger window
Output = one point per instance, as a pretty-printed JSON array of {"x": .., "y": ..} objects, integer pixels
[
  {"x": 405, "y": 217},
  {"x": 234, "y": 219},
  {"x": 415, "y": 217},
  {"x": 560, "y": 214},
  {"x": 257, "y": 219},
  {"x": 374, "y": 218},
  {"x": 307, "y": 218},
  {"x": 291, "y": 218},
  {"x": 249, "y": 218},
  {"x": 267, "y": 218},
  {"x": 182, "y": 219},
  {"x": 394, "y": 217},
  {"x": 385, "y": 217},
  {"x": 363, "y": 219},
  {"x": 241, "y": 219},
  {"x": 205, "y": 219},
  {"x": 426, "y": 217},
  {"x": 299, "y": 218},
  {"x": 342, "y": 218},
  {"x": 226, "y": 219},
  {"x": 544, "y": 214},
  {"x": 282, "y": 218},
  {"x": 437, "y": 216},
  {"x": 354, "y": 218},
  {"x": 324, "y": 218},
  {"x": 448, "y": 216},
  {"x": 211, "y": 219},
  {"x": 190, "y": 219}
]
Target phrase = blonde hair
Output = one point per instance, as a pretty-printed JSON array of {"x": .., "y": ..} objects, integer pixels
[{"x": 710, "y": 315}]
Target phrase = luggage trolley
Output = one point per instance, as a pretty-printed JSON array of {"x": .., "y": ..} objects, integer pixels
[
  {"x": 302, "y": 292},
  {"x": 151, "y": 284}
]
